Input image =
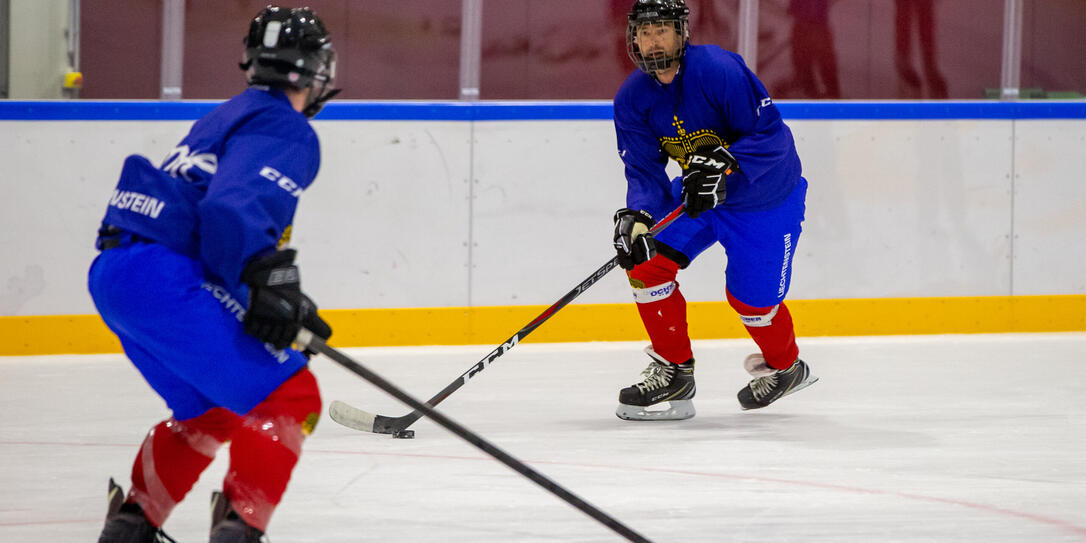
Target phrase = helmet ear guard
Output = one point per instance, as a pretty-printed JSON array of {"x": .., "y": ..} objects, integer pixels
[{"x": 291, "y": 48}]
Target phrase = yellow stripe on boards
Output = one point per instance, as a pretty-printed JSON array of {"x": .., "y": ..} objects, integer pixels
[
  {"x": 56, "y": 334},
  {"x": 959, "y": 315},
  {"x": 86, "y": 334}
]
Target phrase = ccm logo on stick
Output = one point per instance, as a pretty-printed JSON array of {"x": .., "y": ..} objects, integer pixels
[{"x": 482, "y": 364}]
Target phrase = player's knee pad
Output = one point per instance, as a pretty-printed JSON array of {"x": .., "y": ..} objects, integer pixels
[
  {"x": 297, "y": 400},
  {"x": 207, "y": 431},
  {"x": 654, "y": 280},
  {"x": 658, "y": 269}
]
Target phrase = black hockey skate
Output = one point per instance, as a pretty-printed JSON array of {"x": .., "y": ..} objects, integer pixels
[
  {"x": 126, "y": 523},
  {"x": 770, "y": 385},
  {"x": 662, "y": 382},
  {"x": 227, "y": 526}
]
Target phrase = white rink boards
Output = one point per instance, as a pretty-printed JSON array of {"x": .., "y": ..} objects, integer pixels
[
  {"x": 933, "y": 438},
  {"x": 450, "y": 212}
]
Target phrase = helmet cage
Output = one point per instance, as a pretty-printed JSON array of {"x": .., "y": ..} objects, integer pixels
[
  {"x": 320, "y": 86},
  {"x": 663, "y": 12}
]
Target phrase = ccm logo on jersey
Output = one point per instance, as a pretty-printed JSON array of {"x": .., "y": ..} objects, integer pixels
[
  {"x": 284, "y": 182},
  {"x": 766, "y": 102}
]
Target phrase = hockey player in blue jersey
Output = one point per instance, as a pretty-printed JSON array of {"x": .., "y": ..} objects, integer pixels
[
  {"x": 741, "y": 186},
  {"x": 194, "y": 280}
]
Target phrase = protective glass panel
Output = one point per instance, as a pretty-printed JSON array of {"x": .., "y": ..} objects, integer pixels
[
  {"x": 572, "y": 49},
  {"x": 1053, "y": 61},
  {"x": 120, "y": 50},
  {"x": 880, "y": 49},
  {"x": 387, "y": 50}
]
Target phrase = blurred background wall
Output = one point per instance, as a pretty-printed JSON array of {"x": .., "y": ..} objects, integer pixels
[{"x": 558, "y": 49}]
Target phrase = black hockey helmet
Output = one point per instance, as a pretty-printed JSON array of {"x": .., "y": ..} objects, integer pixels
[
  {"x": 291, "y": 48},
  {"x": 644, "y": 12}
]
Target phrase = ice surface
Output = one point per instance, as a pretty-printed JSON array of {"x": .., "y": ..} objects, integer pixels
[{"x": 929, "y": 438}]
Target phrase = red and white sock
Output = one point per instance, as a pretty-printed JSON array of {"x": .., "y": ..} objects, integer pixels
[
  {"x": 266, "y": 446},
  {"x": 173, "y": 456},
  {"x": 662, "y": 308},
  {"x": 772, "y": 329}
]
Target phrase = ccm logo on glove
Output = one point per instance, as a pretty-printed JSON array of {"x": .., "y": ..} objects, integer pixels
[
  {"x": 704, "y": 183},
  {"x": 711, "y": 163}
]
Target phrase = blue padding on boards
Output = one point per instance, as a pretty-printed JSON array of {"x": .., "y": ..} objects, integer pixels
[{"x": 88, "y": 110}]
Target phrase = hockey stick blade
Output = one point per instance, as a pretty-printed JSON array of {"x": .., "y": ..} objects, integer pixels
[
  {"x": 351, "y": 417},
  {"x": 364, "y": 421},
  {"x": 355, "y": 418}
]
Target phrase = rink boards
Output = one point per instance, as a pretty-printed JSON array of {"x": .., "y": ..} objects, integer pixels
[{"x": 457, "y": 223}]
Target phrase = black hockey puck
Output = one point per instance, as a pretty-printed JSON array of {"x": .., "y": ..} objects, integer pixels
[{"x": 404, "y": 434}]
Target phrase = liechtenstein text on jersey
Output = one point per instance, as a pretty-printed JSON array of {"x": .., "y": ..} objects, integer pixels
[{"x": 136, "y": 202}]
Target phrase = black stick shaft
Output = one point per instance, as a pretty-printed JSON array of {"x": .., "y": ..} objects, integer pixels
[
  {"x": 385, "y": 425},
  {"x": 315, "y": 343}
]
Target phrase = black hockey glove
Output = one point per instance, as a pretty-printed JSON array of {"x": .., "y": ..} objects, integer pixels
[
  {"x": 704, "y": 183},
  {"x": 633, "y": 242},
  {"x": 277, "y": 307}
]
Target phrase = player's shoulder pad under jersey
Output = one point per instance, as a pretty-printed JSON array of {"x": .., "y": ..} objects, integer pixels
[
  {"x": 272, "y": 114},
  {"x": 266, "y": 113},
  {"x": 634, "y": 93},
  {"x": 709, "y": 60}
]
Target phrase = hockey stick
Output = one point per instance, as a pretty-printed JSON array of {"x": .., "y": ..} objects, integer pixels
[
  {"x": 355, "y": 418},
  {"x": 306, "y": 339}
]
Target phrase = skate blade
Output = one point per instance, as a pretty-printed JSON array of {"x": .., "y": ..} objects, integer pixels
[
  {"x": 811, "y": 379},
  {"x": 676, "y": 410}
]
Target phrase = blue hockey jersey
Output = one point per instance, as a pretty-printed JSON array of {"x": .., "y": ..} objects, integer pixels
[
  {"x": 229, "y": 190},
  {"x": 714, "y": 99}
]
